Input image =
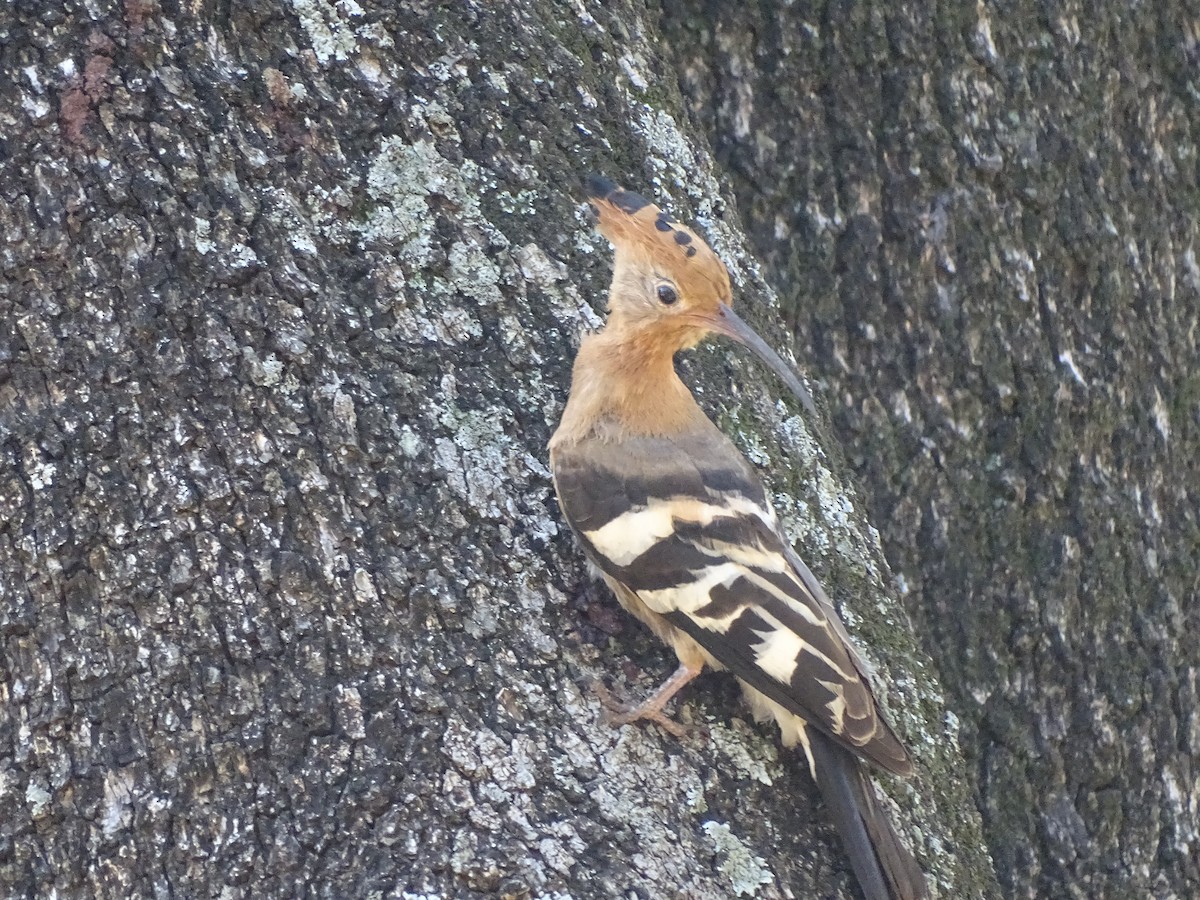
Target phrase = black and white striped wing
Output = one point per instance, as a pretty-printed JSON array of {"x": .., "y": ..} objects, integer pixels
[{"x": 684, "y": 525}]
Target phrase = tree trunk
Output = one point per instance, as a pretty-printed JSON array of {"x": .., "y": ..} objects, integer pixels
[
  {"x": 984, "y": 228},
  {"x": 292, "y": 294}
]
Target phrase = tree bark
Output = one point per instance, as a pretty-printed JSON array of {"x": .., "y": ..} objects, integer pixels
[
  {"x": 293, "y": 292},
  {"x": 984, "y": 229}
]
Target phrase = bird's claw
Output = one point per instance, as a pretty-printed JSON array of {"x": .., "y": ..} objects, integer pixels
[{"x": 617, "y": 713}]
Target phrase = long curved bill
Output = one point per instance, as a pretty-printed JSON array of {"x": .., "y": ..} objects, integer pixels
[{"x": 727, "y": 322}]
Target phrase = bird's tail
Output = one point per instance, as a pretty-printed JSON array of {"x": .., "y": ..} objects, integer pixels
[{"x": 884, "y": 867}]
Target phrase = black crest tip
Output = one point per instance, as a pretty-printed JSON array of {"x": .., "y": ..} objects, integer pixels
[{"x": 600, "y": 188}]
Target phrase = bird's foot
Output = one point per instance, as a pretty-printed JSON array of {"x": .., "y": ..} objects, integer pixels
[{"x": 617, "y": 713}]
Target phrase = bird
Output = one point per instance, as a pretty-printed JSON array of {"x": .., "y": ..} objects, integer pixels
[{"x": 677, "y": 522}]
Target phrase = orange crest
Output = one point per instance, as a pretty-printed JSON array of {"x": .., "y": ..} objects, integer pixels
[{"x": 635, "y": 226}]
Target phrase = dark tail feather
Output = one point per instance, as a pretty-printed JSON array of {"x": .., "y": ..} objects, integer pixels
[{"x": 885, "y": 869}]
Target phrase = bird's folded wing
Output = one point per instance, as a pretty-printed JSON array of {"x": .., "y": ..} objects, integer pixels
[{"x": 686, "y": 527}]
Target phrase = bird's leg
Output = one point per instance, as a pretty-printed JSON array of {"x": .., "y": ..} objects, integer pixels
[{"x": 617, "y": 714}]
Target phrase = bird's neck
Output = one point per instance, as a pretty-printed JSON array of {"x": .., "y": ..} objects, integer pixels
[{"x": 625, "y": 385}]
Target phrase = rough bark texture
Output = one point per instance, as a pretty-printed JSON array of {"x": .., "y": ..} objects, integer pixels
[
  {"x": 291, "y": 294},
  {"x": 984, "y": 225}
]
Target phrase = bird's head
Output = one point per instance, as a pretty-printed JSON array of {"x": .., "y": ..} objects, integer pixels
[{"x": 668, "y": 285}]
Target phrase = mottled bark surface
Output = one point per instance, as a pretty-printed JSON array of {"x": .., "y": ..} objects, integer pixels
[
  {"x": 984, "y": 226},
  {"x": 290, "y": 295}
]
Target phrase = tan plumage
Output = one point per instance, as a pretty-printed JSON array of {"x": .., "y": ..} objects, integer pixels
[{"x": 679, "y": 526}]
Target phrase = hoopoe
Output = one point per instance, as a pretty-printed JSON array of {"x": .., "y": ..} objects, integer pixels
[{"x": 679, "y": 526}]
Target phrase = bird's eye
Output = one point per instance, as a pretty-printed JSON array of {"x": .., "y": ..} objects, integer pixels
[{"x": 666, "y": 294}]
